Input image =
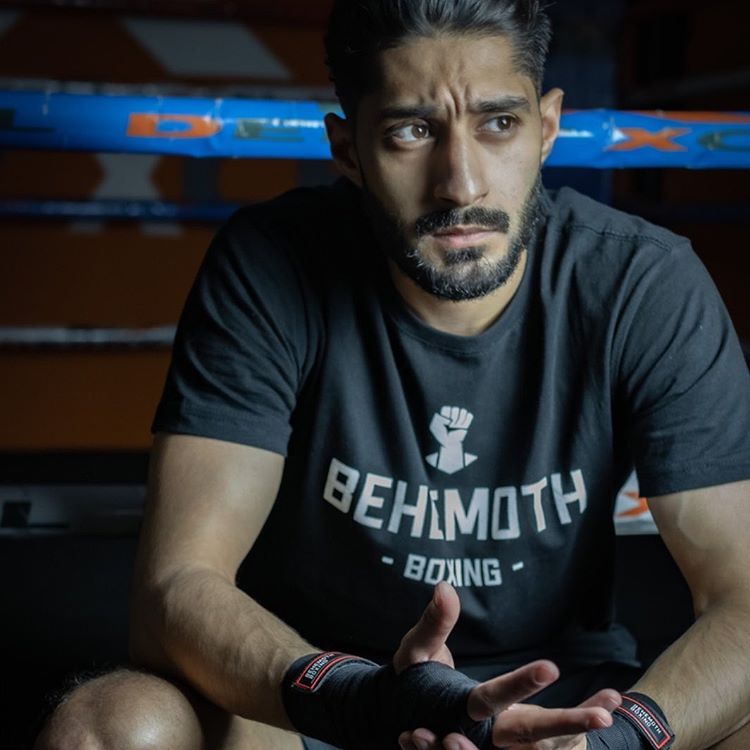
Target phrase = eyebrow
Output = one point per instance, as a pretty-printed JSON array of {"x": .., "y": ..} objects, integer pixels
[{"x": 424, "y": 112}]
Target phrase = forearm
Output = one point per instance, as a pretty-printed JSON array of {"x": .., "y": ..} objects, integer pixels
[
  {"x": 702, "y": 681},
  {"x": 200, "y": 626}
]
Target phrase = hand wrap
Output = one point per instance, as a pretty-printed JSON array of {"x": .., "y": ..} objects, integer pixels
[
  {"x": 353, "y": 703},
  {"x": 638, "y": 724}
]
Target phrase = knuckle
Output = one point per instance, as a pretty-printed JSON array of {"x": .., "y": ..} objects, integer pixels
[
  {"x": 406, "y": 644},
  {"x": 481, "y": 705},
  {"x": 519, "y": 686},
  {"x": 523, "y": 734}
]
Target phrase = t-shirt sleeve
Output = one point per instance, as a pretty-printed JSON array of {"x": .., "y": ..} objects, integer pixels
[
  {"x": 243, "y": 343},
  {"x": 682, "y": 378}
]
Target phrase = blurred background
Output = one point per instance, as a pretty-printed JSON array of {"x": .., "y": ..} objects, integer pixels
[{"x": 76, "y": 403}]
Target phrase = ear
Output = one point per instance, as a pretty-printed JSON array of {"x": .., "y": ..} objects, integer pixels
[
  {"x": 550, "y": 107},
  {"x": 341, "y": 136}
]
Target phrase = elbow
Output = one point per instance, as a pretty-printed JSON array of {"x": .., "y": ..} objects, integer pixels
[
  {"x": 160, "y": 608},
  {"x": 733, "y": 603},
  {"x": 146, "y": 630}
]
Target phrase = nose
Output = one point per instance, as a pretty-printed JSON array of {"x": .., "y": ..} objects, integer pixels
[{"x": 459, "y": 177}]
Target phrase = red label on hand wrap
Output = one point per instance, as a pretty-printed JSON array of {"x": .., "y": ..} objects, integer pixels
[
  {"x": 319, "y": 667},
  {"x": 636, "y": 709}
]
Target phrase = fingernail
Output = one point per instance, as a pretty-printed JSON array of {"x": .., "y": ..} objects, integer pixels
[
  {"x": 451, "y": 745},
  {"x": 545, "y": 674},
  {"x": 541, "y": 677},
  {"x": 439, "y": 592},
  {"x": 420, "y": 744},
  {"x": 599, "y": 722}
]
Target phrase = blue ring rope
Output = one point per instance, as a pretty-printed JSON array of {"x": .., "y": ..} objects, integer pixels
[{"x": 245, "y": 128}]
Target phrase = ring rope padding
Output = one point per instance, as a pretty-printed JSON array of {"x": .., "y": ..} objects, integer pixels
[{"x": 271, "y": 128}]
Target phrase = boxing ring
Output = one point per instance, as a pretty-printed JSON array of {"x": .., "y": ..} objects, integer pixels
[
  {"x": 231, "y": 128},
  {"x": 267, "y": 128}
]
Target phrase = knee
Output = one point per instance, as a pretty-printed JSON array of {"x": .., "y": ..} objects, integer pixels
[{"x": 123, "y": 710}]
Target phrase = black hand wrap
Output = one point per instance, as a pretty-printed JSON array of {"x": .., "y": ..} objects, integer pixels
[
  {"x": 353, "y": 703},
  {"x": 638, "y": 724}
]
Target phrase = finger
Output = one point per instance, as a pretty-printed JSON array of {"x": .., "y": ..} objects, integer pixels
[
  {"x": 496, "y": 695},
  {"x": 524, "y": 724},
  {"x": 419, "y": 739},
  {"x": 457, "y": 742},
  {"x": 572, "y": 742},
  {"x": 607, "y": 699},
  {"x": 426, "y": 640},
  {"x": 406, "y": 742}
]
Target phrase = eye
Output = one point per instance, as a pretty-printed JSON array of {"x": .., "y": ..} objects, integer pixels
[
  {"x": 411, "y": 133},
  {"x": 501, "y": 124}
]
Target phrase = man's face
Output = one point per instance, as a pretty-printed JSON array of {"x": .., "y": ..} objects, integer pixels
[{"x": 448, "y": 151}]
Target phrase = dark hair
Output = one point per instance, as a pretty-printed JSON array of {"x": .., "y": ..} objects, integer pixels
[{"x": 359, "y": 29}]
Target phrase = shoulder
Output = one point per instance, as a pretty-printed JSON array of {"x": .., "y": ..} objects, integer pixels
[
  {"x": 591, "y": 224},
  {"x": 299, "y": 217},
  {"x": 293, "y": 238},
  {"x": 601, "y": 246},
  {"x": 607, "y": 264}
]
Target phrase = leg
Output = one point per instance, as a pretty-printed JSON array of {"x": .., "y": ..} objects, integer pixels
[{"x": 129, "y": 710}]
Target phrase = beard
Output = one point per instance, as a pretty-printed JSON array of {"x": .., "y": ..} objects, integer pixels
[{"x": 465, "y": 273}]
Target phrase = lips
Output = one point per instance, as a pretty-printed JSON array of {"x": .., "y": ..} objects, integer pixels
[
  {"x": 460, "y": 237},
  {"x": 462, "y": 231}
]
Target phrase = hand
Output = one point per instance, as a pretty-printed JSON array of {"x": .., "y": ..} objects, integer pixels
[
  {"x": 451, "y": 425},
  {"x": 518, "y": 726}
]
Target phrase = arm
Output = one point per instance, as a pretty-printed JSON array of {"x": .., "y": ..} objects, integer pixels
[
  {"x": 702, "y": 682},
  {"x": 208, "y": 501}
]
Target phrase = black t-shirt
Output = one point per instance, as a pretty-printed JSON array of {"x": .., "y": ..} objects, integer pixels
[{"x": 491, "y": 461}]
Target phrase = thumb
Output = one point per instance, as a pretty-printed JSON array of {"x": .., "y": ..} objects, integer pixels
[{"x": 426, "y": 640}]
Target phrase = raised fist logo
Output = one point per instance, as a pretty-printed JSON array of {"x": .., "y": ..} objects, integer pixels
[{"x": 450, "y": 428}]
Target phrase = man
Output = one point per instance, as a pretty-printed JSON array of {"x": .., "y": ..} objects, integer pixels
[{"x": 435, "y": 372}]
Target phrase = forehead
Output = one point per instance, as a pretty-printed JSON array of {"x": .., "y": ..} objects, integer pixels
[{"x": 428, "y": 69}]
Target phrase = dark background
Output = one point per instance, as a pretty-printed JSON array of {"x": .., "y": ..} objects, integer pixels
[{"x": 74, "y": 416}]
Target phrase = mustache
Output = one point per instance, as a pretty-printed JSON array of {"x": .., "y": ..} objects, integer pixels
[{"x": 493, "y": 220}]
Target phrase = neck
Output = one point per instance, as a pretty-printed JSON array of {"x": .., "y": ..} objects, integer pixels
[{"x": 465, "y": 318}]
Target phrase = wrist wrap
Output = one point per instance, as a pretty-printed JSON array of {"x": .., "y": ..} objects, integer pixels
[
  {"x": 353, "y": 703},
  {"x": 638, "y": 724}
]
